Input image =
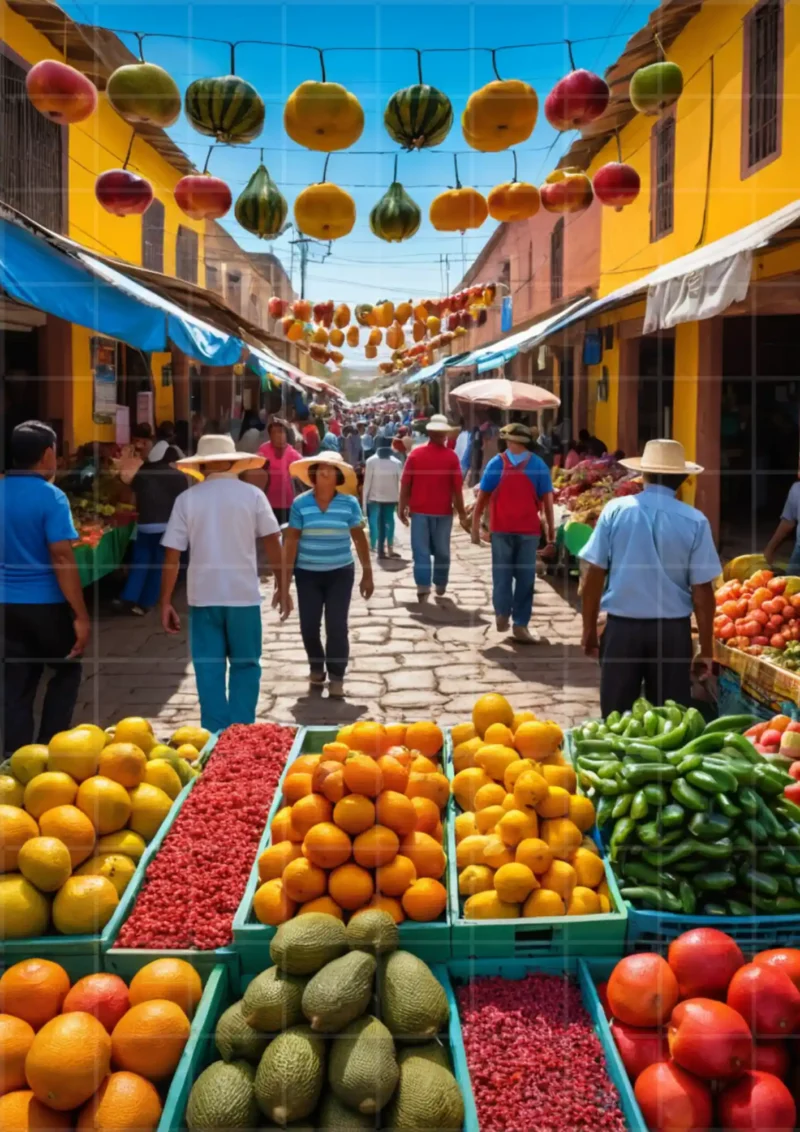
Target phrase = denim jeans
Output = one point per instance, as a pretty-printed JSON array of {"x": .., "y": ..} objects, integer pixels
[
  {"x": 226, "y": 652},
  {"x": 513, "y": 575},
  {"x": 381, "y": 524},
  {"x": 430, "y": 538},
  {"x": 325, "y": 592},
  {"x": 144, "y": 579}
]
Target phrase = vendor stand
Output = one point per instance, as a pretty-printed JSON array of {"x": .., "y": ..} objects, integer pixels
[{"x": 95, "y": 560}]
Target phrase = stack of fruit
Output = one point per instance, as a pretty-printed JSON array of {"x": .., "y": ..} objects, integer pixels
[
  {"x": 389, "y": 1062},
  {"x": 522, "y": 848},
  {"x": 761, "y": 617},
  {"x": 360, "y": 827},
  {"x": 92, "y": 1056},
  {"x": 75, "y": 818},
  {"x": 703, "y": 1034}
]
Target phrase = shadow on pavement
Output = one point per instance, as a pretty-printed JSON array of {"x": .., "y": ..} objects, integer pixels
[
  {"x": 316, "y": 710},
  {"x": 551, "y": 663},
  {"x": 444, "y": 611}
]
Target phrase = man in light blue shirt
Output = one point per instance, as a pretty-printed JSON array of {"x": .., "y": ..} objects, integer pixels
[{"x": 652, "y": 561}]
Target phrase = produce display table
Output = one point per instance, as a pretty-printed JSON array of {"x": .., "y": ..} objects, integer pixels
[
  {"x": 95, "y": 562},
  {"x": 749, "y": 683}
]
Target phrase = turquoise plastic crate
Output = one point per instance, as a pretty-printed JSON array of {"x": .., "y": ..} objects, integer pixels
[
  {"x": 463, "y": 971},
  {"x": 430, "y": 941}
]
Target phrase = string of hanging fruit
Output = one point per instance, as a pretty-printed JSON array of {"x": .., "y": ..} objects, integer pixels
[{"x": 325, "y": 117}]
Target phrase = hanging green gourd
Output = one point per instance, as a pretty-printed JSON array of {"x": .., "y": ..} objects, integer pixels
[
  {"x": 226, "y": 108},
  {"x": 396, "y": 216},
  {"x": 418, "y": 116},
  {"x": 261, "y": 207}
]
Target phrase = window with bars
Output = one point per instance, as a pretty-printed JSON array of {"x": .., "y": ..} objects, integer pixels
[
  {"x": 557, "y": 260},
  {"x": 662, "y": 204},
  {"x": 762, "y": 85},
  {"x": 153, "y": 237},
  {"x": 186, "y": 245},
  {"x": 233, "y": 290},
  {"x": 31, "y": 152}
]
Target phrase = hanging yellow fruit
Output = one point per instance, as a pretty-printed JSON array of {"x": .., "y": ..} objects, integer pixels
[
  {"x": 325, "y": 212},
  {"x": 336, "y": 337},
  {"x": 370, "y": 351},
  {"x": 323, "y": 116},
  {"x": 341, "y": 316},
  {"x": 420, "y": 312},
  {"x": 295, "y": 331},
  {"x": 352, "y": 336},
  {"x": 458, "y": 209},
  {"x": 363, "y": 313},
  {"x": 514, "y": 200},
  {"x": 499, "y": 115},
  {"x": 375, "y": 338},
  {"x": 433, "y": 323},
  {"x": 384, "y": 313},
  {"x": 320, "y": 336},
  {"x": 402, "y": 313},
  {"x": 395, "y": 336},
  {"x": 419, "y": 331},
  {"x": 386, "y": 367}
]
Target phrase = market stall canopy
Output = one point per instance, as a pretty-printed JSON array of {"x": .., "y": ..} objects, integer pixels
[
  {"x": 431, "y": 372},
  {"x": 503, "y": 394},
  {"x": 496, "y": 354},
  {"x": 266, "y": 364}
]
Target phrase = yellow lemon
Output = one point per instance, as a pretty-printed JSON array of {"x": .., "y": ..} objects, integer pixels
[
  {"x": 11, "y": 791},
  {"x": 188, "y": 751},
  {"x": 529, "y": 790},
  {"x": 465, "y": 826},
  {"x": 581, "y": 812},
  {"x": 560, "y": 878},
  {"x": 53, "y": 788},
  {"x": 160, "y": 751},
  {"x": 496, "y": 853},
  {"x": 45, "y": 862},
  {"x": 84, "y": 905},
  {"x": 464, "y": 754},
  {"x": 196, "y": 736},
  {"x": 509, "y": 803},
  {"x": 514, "y": 770},
  {"x": 462, "y": 732},
  {"x": 605, "y": 903},
  {"x": 491, "y": 795},
  {"x": 515, "y": 825},
  {"x": 555, "y": 803},
  {"x": 521, "y": 717},
  {"x": 113, "y": 866},
  {"x": 588, "y": 843},
  {"x": 489, "y": 709},
  {"x": 105, "y": 803},
  {"x": 135, "y": 730},
  {"x": 489, "y": 906},
  {"x": 563, "y": 837},
  {"x": 75, "y": 752},
  {"x": 494, "y": 758},
  {"x": 583, "y": 902},
  {"x": 150, "y": 805},
  {"x": 126, "y": 842},
  {"x": 470, "y": 851},
  {"x": 29, "y": 761},
  {"x": 538, "y": 740},
  {"x": 588, "y": 868},
  {"x": 500, "y": 734},
  {"x": 544, "y": 902},
  {"x": 514, "y": 883},
  {"x": 487, "y": 819},
  {"x": 159, "y": 773},
  {"x": 475, "y": 878},
  {"x": 563, "y": 776},
  {"x": 98, "y": 732},
  {"x": 534, "y": 853},
  {"x": 466, "y": 785},
  {"x": 123, "y": 763},
  {"x": 70, "y": 825},
  {"x": 24, "y": 911}
]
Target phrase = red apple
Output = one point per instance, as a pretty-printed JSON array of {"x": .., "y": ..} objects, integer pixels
[
  {"x": 771, "y": 737},
  {"x": 704, "y": 960},
  {"x": 104, "y": 996},
  {"x": 566, "y": 190},
  {"x": 771, "y": 1057},
  {"x": 277, "y": 307},
  {"x": 672, "y": 1100},
  {"x": 577, "y": 99},
  {"x": 766, "y": 998},
  {"x": 202, "y": 196},
  {"x": 793, "y": 726},
  {"x": 616, "y": 185},
  {"x": 709, "y": 1038},
  {"x": 639, "y": 1048},
  {"x": 60, "y": 92},
  {"x": 123, "y": 193},
  {"x": 756, "y": 1101}
]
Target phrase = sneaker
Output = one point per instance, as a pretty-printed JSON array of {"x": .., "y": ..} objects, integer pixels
[
  {"x": 502, "y": 623},
  {"x": 336, "y": 689},
  {"x": 441, "y": 591},
  {"x": 422, "y": 596},
  {"x": 138, "y": 611},
  {"x": 525, "y": 637}
]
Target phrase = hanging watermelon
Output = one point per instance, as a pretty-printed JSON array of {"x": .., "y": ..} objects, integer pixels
[
  {"x": 227, "y": 108},
  {"x": 418, "y": 116},
  {"x": 261, "y": 207}
]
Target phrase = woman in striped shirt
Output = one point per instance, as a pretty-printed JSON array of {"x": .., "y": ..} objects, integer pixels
[{"x": 324, "y": 525}]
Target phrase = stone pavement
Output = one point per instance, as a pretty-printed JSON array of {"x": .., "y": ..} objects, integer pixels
[{"x": 408, "y": 661}]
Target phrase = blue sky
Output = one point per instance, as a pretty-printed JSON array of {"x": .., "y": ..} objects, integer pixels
[{"x": 361, "y": 267}]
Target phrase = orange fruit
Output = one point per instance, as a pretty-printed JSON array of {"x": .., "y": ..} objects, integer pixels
[
  {"x": 16, "y": 827},
  {"x": 71, "y": 826},
  {"x": 427, "y": 814},
  {"x": 466, "y": 785},
  {"x": 469, "y": 850},
  {"x": 393, "y": 879},
  {"x": 425, "y": 900},
  {"x": 559, "y": 877},
  {"x": 555, "y": 803},
  {"x": 395, "y": 775},
  {"x": 68, "y": 1059},
  {"x": 396, "y": 733},
  {"x": 125, "y": 1102},
  {"x": 486, "y": 819},
  {"x": 327, "y": 846},
  {"x": 499, "y": 733},
  {"x": 438, "y": 833},
  {"x": 335, "y": 752},
  {"x": 536, "y": 854},
  {"x": 296, "y": 786},
  {"x": 363, "y": 775},
  {"x": 491, "y": 795},
  {"x": 303, "y": 881},
  {"x": 274, "y": 859},
  {"x": 124, "y": 763},
  {"x": 149, "y": 1040},
  {"x": 464, "y": 754},
  {"x": 563, "y": 776},
  {"x": 425, "y": 737},
  {"x": 588, "y": 867},
  {"x": 421, "y": 764},
  {"x": 425, "y": 853},
  {"x": 435, "y": 786},
  {"x": 581, "y": 812},
  {"x": 383, "y": 904},
  {"x": 305, "y": 764},
  {"x": 345, "y": 735},
  {"x": 33, "y": 990},
  {"x": 350, "y": 886},
  {"x": 396, "y": 811},
  {"x": 16, "y": 1038},
  {"x": 521, "y": 717},
  {"x": 370, "y": 738},
  {"x": 543, "y": 902},
  {"x": 516, "y": 769},
  {"x": 271, "y": 905},
  {"x": 376, "y": 846},
  {"x": 21, "y": 1112},
  {"x": 489, "y": 709},
  {"x": 402, "y": 755},
  {"x": 354, "y": 813},
  {"x": 310, "y": 811},
  {"x": 462, "y": 733},
  {"x": 496, "y": 853},
  {"x": 322, "y": 904},
  {"x": 465, "y": 826},
  {"x": 328, "y": 780},
  {"x": 282, "y": 828},
  {"x": 172, "y": 979},
  {"x": 537, "y": 740},
  {"x": 642, "y": 990},
  {"x": 514, "y": 883},
  {"x": 474, "y": 879}
]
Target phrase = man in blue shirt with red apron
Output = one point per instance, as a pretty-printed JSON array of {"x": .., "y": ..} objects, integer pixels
[{"x": 517, "y": 486}]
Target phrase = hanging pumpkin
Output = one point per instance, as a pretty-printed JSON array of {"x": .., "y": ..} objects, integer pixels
[
  {"x": 499, "y": 115},
  {"x": 363, "y": 314},
  {"x": 513, "y": 200},
  {"x": 325, "y": 212},
  {"x": 384, "y": 313},
  {"x": 402, "y": 313},
  {"x": 341, "y": 316},
  {"x": 419, "y": 331},
  {"x": 319, "y": 354},
  {"x": 323, "y": 116},
  {"x": 375, "y": 338},
  {"x": 396, "y": 216},
  {"x": 261, "y": 207},
  {"x": 352, "y": 336},
  {"x": 395, "y": 336},
  {"x": 370, "y": 351},
  {"x": 286, "y": 322},
  {"x": 418, "y": 116},
  {"x": 458, "y": 209},
  {"x": 336, "y": 337},
  {"x": 227, "y": 108}
]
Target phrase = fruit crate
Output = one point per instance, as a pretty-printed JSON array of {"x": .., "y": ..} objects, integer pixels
[
  {"x": 251, "y": 939},
  {"x": 464, "y": 971},
  {"x": 221, "y": 992}
]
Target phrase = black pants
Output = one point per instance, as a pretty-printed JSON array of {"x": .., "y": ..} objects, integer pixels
[
  {"x": 281, "y": 514},
  {"x": 35, "y": 637},
  {"x": 656, "y": 653},
  {"x": 325, "y": 592}
]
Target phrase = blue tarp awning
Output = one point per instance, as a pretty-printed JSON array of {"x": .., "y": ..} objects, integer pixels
[
  {"x": 431, "y": 372},
  {"x": 263, "y": 363}
]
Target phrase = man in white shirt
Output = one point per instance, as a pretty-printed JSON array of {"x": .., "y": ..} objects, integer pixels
[
  {"x": 218, "y": 522},
  {"x": 382, "y": 474}
]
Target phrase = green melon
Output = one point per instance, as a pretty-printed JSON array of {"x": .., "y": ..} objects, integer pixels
[
  {"x": 418, "y": 116},
  {"x": 261, "y": 207},
  {"x": 396, "y": 216},
  {"x": 226, "y": 108},
  {"x": 223, "y": 1096}
]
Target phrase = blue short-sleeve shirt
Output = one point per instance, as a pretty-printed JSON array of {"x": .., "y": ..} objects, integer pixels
[
  {"x": 536, "y": 470},
  {"x": 325, "y": 542},
  {"x": 34, "y": 514}
]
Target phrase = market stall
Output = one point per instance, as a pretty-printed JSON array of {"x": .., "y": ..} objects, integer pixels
[{"x": 98, "y": 558}]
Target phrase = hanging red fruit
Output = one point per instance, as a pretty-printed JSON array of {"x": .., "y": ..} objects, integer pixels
[
  {"x": 277, "y": 307},
  {"x": 203, "y": 197},
  {"x": 616, "y": 185},
  {"x": 123, "y": 193},
  {"x": 60, "y": 93},
  {"x": 566, "y": 190},
  {"x": 577, "y": 99}
]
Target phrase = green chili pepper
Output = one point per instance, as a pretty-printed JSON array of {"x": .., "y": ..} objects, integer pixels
[
  {"x": 624, "y": 829},
  {"x": 712, "y": 909},
  {"x": 634, "y": 729},
  {"x": 767, "y": 905},
  {"x": 621, "y": 805},
  {"x": 714, "y": 850},
  {"x": 785, "y": 884},
  {"x": 653, "y": 897},
  {"x": 711, "y": 779},
  {"x": 709, "y": 826},
  {"x": 792, "y": 862},
  {"x": 671, "y": 738},
  {"x": 771, "y": 782},
  {"x": 687, "y": 898},
  {"x": 673, "y": 816},
  {"x": 689, "y": 762},
  {"x": 691, "y": 866},
  {"x": 736, "y": 908},
  {"x": 743, "y": 746},
  {"x": 642, "y": 873},
  {"x": 748, "y": 800},
  {"x": 743, "y": 844},
  {"x": 718, "y": 880},
  {"x": 655, "y": 794},
  {"x": 785, "y": 904},
  {"x": 789, "y": 809},
  {"x": 639, "y": 806},
  {"x": 599, "y": 747},
  {"x": 687, "y": 796},
  {"x": 641, "y": 706},
  {"x": 604, "y": 811},
  {"x": 610, "y": 770},
  {"x": 728, "y": 807},
  {"x": 696, "y": 723},
  {"x": 760, "y": 883},
  {"x": 771, "y": 857},
  {"x": 650, "y": 722},
  {"x": 636, "y": 750},
  {"x": 704, "y": 745},
  {"x": 640, "y": 774},
  {"x": 756, "y": 830},
  {"x": 731, "y": 723},
  {"x": 612, "y": 718}
]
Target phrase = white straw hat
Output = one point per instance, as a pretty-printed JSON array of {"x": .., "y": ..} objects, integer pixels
[
  {"x": 664, "y": 458},
  {"x": 219, "y": 450},
  {"x": 439, "y": 423},
  {"x": 300, "y": 470}
]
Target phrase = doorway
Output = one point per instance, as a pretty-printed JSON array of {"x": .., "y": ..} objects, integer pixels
[
  {"x": 19, "y": 367},
  {"x": 656, "y": 388}
]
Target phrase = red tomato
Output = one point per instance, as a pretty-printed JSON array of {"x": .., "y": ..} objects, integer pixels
[
  {"x": 727, "y": 631},
  {"x": 761, "y": 641},
  {"x": 761, "y": 595},
  {"x": 778, "y": 641},
  {"x": 793, "y": 633},
  {"x": 775, "y": 621},
  {"x": 793, "y": 793},
  {"x": 779, "y": 602},
  {"x": 752, "y": 629},
  {"x": 777, "y": 585},
  {"x": 780, "y": 723},
  {"x": 759, "y": 615},
  {"x": 789, "y": 613},
  {"x": 742, "y": 607},
  {"x": 768, "y": 607},
  {"x": 794, "y": 771},
  {"x": 795, "y": 600},
  {"x": 792, "y": 725},
  {"x": 730, "y": 609}
]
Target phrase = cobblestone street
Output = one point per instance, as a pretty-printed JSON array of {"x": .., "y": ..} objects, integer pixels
[{"x": 407, "y": 661}]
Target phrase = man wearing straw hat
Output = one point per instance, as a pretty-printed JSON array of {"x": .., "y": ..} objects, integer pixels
[
  {"x": 652, "y": 561},
  {"x": 218, "y": 521}
]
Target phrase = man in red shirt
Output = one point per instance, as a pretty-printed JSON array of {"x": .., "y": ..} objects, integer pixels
[{"x": 431, "y": 486}]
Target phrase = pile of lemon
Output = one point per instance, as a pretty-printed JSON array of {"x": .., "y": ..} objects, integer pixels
[
  {"x": 521, "y": 840},
  {"x": 75, "y": 818}
]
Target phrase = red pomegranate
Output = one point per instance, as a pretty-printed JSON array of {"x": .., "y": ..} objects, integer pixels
[
  {"x": 767, "y": 999},
  {"x": 756, "y": 1101},
  {"x": 642, "y": 990},
  {"x": 771, "y": 1057},
  {"x": 639, "y": 1048},
  {"x": 672, "y": 1100},
  {"x": 709, "y": 1038},
  {"x": 786, "y": 959},
  {"x": 704, "y": 961}
]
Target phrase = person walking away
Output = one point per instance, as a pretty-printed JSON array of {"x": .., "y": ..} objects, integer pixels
[
  {"x": 44, "y": 615},
  {"x": 251, "y": 434},
  {"x": 381, "y": 494},
  {"x": 651, "y": 562},
  {"x": 323, "y": 524},
  {"x": 368, "y": 438},
  {"x": 309, "y": 434},
  {"x": 431, "y": 486},
  {"x": 279, "y": 455},
  {"x": 787, "y": 526},
  {"x": 218, "y": 521},
  {"x": 351, "y": 445},
  {"x": 330, "y": 443},
  {"x": 334, "y": 424},
  {"x": 166, "y": 437},
  {"x": 516, "y": 486}
]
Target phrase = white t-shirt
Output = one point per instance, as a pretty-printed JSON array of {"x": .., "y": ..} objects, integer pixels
[
  {"x": 218, "y": 521},
  {"x": 382, "y": 479}
]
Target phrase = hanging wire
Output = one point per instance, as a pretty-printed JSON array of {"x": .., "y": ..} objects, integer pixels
[
  {"x": 140, "y": 46},
  {"x": 394, "y": 173},
  {"x": 233, "y": 58},
  {"x": 514, "y": 155},
  {"x": 208, "y": 158},
  {"x": 619, "y": 146},
  {"x": 659, "y": 45},
  {"x": 571, "y": 56},
  {"x": 419, "y": 65},
  {"x": 325, "y": 168},
  {"x": 455, "y": 166},
  {"x": 130, "y": 147},
  {"x": 322, "y": 63},
  {"x": 497, "y": 74}
]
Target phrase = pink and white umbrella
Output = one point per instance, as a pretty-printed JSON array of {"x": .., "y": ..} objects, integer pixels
[{"x": 504, "y": 394}]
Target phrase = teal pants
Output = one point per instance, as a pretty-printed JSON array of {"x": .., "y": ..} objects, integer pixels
[
  {"x": 381, "y": 524},
  {"x": 226, "y": 652}
]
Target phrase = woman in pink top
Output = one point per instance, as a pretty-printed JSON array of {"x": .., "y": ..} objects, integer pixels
[{"x": 279, "y": 454}]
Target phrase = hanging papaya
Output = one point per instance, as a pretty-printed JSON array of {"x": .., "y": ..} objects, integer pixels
[
  {"x": 352, "y": 336},
  {"x": 419, "y": 331},
  {"x": 384, "y": 313},
  {"x": 336, "y": 357},
  {"x": 341, "y": 316},
  {"x": 320, "y": 336},
  {"x": 363, "y": 312},
  {"x": 323, "y": 116},
  {"x": 370, "y": 351},
  {"x": 432, "y": 324},
  {"x": 420, "y": 312},
  {"x": 395, "y": 336},
  {"x": 261, "y": 207},
  {"x": 499, "y": 115},
  {"x": 336, "y": 337},
  {"x": 396, "y": 216},
  {"x": 324, "y": 211},
  {"x": 458, "y": 209},
  {"x": 418, "y": 116},
  {"x": 514, "y": 200},
  {"x": 402, "y": 313},
  {"x": 295, "y": 331},
  {"x": 226, "y": 108},
  {"x": 375, "y": 338}
]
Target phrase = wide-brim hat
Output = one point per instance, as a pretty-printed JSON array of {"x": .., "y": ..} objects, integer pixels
[
  {"x": 301, "y": 469},
  {"x": 218, "y": 450},
  {"x": 663, "y": 458},
  {"x": 516, "y": 431},
  {"x": 439, "y": 423}
]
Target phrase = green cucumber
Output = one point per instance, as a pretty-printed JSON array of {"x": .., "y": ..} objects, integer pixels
[
  {"x": 686, "y": 795},
  {"x": 672, "y": 816},
  {"x": 710, "y": 826},
  {"x": 658, "y": 898},
  {"x": 730, "y": 723}
]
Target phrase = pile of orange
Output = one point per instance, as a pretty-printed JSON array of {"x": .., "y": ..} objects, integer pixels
[
  {"x": 91, "y": 1056},
  {"x": 360, "y": 827}
]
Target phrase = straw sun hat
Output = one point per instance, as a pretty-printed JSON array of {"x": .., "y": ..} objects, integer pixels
[
  {"x": 300, "y": 470},
  {"x": 664, "y": 458},
  {"x": 218, "y": 450},
  {"x": 439, "y": 423}
]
